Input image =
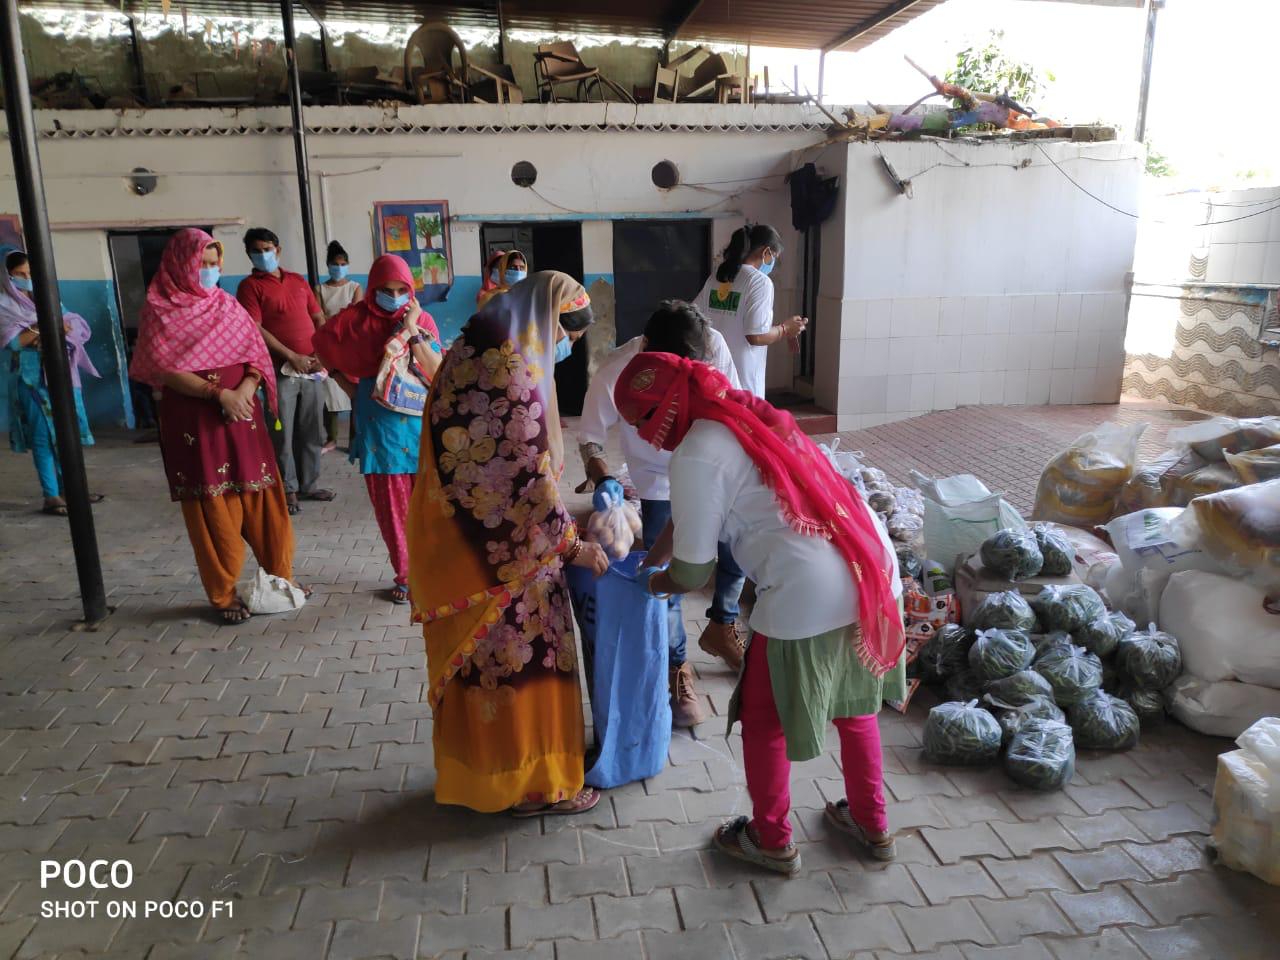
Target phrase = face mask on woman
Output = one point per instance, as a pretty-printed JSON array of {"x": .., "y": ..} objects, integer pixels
[
  {"x": 512, "y": 277},
  {"x": 767, "y": 267},
  {"x": 22, "y": 283},
  {"x": 564, "y": 347},
  {"x": 209, "y": 277},
  {"x": 338, "y": 271},
  {"x": 493, "y": 275},
  {"x": 389, "y": 302},
  {"x": 266, "y": 260}
]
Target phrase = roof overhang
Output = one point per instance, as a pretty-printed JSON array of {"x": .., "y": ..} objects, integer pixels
[{"x": 805, "y": 24}]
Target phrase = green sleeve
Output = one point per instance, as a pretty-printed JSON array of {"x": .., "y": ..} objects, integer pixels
[{"x": 691, "y": 576}]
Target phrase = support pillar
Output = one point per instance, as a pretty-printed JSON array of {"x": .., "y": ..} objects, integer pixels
[{"x": 300, "y": 141}]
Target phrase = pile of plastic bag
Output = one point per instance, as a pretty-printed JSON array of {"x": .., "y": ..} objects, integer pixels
[
  {"x": 1246, "y": 802},
  {"x": 960, "y": 513}
]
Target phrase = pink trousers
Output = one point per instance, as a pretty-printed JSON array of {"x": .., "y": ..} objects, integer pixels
[
  {"x": 768, "y": 770},
  {"x": 389, "y": 494}
]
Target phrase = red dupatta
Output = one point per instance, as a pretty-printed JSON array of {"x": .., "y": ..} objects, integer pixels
[
  {"x": 673, "y": 393},
  {"x": 353, "y": 341}
]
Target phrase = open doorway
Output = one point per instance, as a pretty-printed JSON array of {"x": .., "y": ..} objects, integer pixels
[
  {"x": 548, "y": 246},
  {"x": 135, "y": 259}
]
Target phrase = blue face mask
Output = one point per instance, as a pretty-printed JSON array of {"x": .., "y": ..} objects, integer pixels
[
  {"x": 564, "y": 347},
  {"x": 493, "y": 276},
  {"x": 767, "y": 268},
  {"x": 389, "y": 303},
  {"x": 338, "y": 271},
  {"x": 22, "y": 283},
  {"x": 512, "y": 277},
  {"x": 268, "y": 261},
  {"x": 209, "y": 277}
]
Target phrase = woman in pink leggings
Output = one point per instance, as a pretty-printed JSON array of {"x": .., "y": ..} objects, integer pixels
[{"x": 827, "y": 638}]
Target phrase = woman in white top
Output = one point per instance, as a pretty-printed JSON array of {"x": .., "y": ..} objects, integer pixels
[
  {"x": 336, "y": 294},
  {"x": 738, "y": 300},
  {"x": 680, "y": 329},
  {"x": 828, "y": 639}
]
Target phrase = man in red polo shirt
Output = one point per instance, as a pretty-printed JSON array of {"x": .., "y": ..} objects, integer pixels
[{"x": 285, "y": 308}]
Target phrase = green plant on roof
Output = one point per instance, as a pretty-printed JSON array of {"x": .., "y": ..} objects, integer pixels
[{"x": 988, "y": 69}]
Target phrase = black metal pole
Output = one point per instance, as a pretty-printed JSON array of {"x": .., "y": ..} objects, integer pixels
[
  {"x": 300, "y": 141},
  {"x": 1148, "y": 54},
  {"x": 135, "y": 50},
  {"x": 57, "y": 370}
]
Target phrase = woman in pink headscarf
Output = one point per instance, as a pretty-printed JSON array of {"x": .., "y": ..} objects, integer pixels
[
  {"x": 386, "y": 441},
  {"x": 827, "y": 626},
  {"x": 199, "y": 345}
]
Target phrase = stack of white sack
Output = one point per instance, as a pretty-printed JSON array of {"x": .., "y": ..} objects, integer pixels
[
  {"x": 1246, "y": 802},
  {"x": 1152, "y": 546},
  {"x": 1230, "y": 652}
]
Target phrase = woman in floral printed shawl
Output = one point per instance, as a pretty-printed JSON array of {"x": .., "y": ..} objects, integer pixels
[{"x": 488, "y": 540}]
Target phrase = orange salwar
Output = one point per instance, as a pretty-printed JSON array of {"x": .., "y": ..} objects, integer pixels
[{"x": 219, "y": 527}]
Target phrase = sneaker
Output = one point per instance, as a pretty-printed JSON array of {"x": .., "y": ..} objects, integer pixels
[
  {"x": 686, "y": 706},
  {"x": 722, "y": 640}
]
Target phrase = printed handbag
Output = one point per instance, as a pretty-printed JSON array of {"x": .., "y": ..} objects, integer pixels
[{"x": 401, "y": 385}]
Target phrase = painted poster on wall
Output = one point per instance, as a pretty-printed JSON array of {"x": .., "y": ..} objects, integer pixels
[
  {"x": 10, "y": 230},
  {"x": 417, "y": 232}
]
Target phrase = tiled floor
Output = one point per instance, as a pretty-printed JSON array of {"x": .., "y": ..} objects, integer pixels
[{"x": 286, "y": 765}]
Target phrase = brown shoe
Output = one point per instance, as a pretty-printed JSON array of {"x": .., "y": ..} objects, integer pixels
[
  {"x": 686, "y": 705},
  {"x": 722, "y": 640}
]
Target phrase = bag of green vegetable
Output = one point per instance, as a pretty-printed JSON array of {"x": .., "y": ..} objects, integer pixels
[
  {"x": 1104, "y": 722},
  {"x": 1047, "y": 642},
  {"x": 963, "y": 686},
  {"x": 1055, "y": 549},
  {"x": 1012, "y": 554},
  {"x": 1147, "y": 704},
  {"x": 1018, "y": 688},
  {"x": 1067, "y": 608},
  {"x": 1002, "y": 611},
  {"x": 1073, "y": 673},
  {"x": 1011, "y": 718},
  {"x": 1041, "y": 755},
  {"x": 996, "y": 654},
  {"x": 945, "y": 654},
  {"x": 961, "y": 733},
  {"x": 1103, "y": 636},
  {"x": 1149, "y": 659}
]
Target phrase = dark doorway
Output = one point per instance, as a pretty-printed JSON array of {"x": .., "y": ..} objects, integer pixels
[
  {"x": 549, "y": 246},
  {"x": 655, "y": 260},
  {"x": 810, "y": 278},
  {"x": 135, "y": 260}
]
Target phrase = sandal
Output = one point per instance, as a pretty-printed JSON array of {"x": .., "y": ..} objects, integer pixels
[
  {"x": 306, "y": 591},
  {"x": 324, "y": 496},
  {"x": 54, "y": 509},
  {"x": 291, "y": 501},
  {"x": 400, "y": 593},
  {"x": 238, "y": 613},
  {"x": 586, "y": 799},
  {"x": 734, "y": 838},
  {"x": 881, "y": 848}
]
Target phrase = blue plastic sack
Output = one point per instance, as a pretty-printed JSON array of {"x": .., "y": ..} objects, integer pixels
[{"x": 624, "y": 643}]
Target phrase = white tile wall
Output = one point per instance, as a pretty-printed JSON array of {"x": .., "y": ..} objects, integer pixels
[{"x": 910, "y": 355}]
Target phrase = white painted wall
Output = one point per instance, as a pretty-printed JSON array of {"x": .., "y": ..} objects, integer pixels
[{"x": 997, "y": 281}]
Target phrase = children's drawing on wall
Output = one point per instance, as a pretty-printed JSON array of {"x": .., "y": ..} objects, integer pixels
[
  {"x": 395, "y": 232},
  {"x": 10, "y": 231},
  {"x": 417, "y": 232}
]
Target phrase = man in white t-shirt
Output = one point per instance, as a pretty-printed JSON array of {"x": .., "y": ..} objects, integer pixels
[
  {"x": 738, "y": 300},
  {"x": 676, "y": 328}
]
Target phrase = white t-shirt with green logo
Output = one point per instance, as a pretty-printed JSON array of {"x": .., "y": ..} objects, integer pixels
[{"x": 737, "y": 309}]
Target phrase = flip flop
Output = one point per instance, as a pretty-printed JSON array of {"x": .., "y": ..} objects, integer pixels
[
  {"x": 97, "y": 497},
  {"x": 399, "y": 594},
  {"x": 235, "y": 614},
  {"x": 838, "y": 816},
  {"x": 324, "y": 496},
  {"x": 586, "y": 799},
  {"x": 54, "y": 509},
  {"x": 291, "y": 503},
  {"x": 734, "y": 839}
]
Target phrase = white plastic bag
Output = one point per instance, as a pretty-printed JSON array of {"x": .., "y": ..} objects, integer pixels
[
  {"x": 1214, "y": 438},
  {"x": 335, "y": 398},
  {"x": 959, "y": 514},
  {"x": 271, "y": 594},
  {"x": 1223, "y": 628},
  {"x": 615, "y": 529},
  {"x": 1223, "y": 709},
  {"x": 1246, "y": 802},
  {"x": 1080, "y": 486},
  {"x": 1154, "y": 540},
  {"x": 1240, "y": 529},
  {"x": 847, "y": 464}
]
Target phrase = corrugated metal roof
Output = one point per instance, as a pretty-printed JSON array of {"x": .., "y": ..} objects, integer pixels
[{"x": 807, "y": 24}]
